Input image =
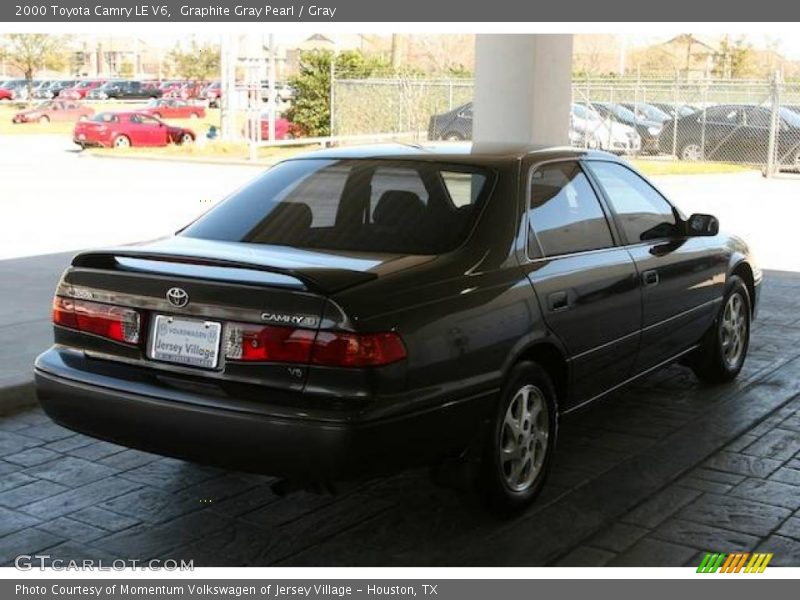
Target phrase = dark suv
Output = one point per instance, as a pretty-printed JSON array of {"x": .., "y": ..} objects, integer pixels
[
  {"x": 125, "y": 90},
  {"x": 357, "y": 310}
]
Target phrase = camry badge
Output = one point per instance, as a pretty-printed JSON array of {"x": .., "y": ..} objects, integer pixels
[{"x": 177, "y": 297}]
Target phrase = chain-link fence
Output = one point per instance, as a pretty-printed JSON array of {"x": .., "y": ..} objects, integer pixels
[{"x": 751, "y": 122}]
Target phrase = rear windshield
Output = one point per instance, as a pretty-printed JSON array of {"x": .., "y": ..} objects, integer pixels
[
  {"x": 105, "y": 118},
  {"x": 352, "y": 205}
]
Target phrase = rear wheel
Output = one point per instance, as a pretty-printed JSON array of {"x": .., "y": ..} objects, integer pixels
[
  {"x": 122, "y": 141},
  {"x": 691, "y": 152},
  {"x": 44, "y": 119},
  {"x": 520, "y": 441},
  {"x": 185, "y": 138},
  {"x": 724, "y": 347}
]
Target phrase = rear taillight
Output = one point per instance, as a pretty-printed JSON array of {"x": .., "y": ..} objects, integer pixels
[
  {"x": 341, "y": 349},
  {"x": 268, "y": 344},
  {"x": 245, "y": 342},
  {"x": 113, "y": 322}
]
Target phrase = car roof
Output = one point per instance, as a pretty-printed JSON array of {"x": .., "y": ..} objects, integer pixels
[{"x": 473, "y": 153}]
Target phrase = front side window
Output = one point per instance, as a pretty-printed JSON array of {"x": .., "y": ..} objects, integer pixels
[
  {"x": 564, "y": 211},
  {"x": 642, "y": 212},
  {"x": 358, "y": 205}
]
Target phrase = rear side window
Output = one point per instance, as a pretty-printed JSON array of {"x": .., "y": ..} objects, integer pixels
[
  {"x": 564, "y": 211},
  {"x": 352, "y": 205},
  {"x": 642, "y": 212},
  {"x": 463, "y": 188}
]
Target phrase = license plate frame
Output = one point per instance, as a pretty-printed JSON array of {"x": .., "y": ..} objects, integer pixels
[{"x": 170, "y": 332}]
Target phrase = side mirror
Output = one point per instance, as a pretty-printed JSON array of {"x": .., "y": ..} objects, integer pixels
[{"x": 699, "y": 225}]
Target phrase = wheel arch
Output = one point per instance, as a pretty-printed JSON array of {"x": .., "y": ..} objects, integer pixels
[
  {"x": 553, "y": 359},
  {"x": 743, "y": 269}
]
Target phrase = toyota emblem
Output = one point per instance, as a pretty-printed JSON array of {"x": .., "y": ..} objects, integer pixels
[{"x": 177, "y": 297}]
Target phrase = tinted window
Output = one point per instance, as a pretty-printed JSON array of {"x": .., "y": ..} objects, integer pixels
[
  {"x": 463, "y": 188},
  {"x": 643, "y": 213},
  {"x": 388, "y": 179},
  {"x": 727, "y": 115},
  {"x": 348, "y": 205},
  {"x": 564, "y": 212}
]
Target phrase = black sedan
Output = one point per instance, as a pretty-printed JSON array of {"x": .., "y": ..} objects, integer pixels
[
  {"x": 736, "y": 133},
  {"x": 453, "y": 125},
  {"x": 648, "y": 129},
  {"x": 357, "y": 310}
]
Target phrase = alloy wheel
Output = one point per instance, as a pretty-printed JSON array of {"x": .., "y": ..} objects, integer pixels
[
  {"x": 733, "y": 330},
  {"x": 692, "y": 152},
  {"x": 523, "y": 438}
]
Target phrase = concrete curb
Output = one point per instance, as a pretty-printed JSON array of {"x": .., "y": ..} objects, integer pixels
[
  {"x": 207, "y": 161},
  {"x": 17, "y": 396}
]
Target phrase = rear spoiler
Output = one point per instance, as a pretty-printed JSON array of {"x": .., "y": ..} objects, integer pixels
[{"x": 314, "y": 279}]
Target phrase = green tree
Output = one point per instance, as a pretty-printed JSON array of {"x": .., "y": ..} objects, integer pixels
[
  {"x": 311, "y": 110},
  {"x": 200, "y": 62},
  {"x": 31, "y": 52}
]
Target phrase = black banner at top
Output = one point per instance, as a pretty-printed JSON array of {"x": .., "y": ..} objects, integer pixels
[{"x": 464, "y": 11}]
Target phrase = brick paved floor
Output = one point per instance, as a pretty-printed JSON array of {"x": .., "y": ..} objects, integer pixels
[{"x": 653, "y": 476}]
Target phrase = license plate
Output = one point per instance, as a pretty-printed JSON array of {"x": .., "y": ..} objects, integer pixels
[{"x": 186, "y": 341}]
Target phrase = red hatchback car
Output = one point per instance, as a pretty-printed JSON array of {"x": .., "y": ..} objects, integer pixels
[
  {"x": 171, "y": 108},
  {"x": 125, "y": 129}
]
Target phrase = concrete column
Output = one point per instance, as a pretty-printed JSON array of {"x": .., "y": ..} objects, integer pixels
[{"x": 523, "y": 89}]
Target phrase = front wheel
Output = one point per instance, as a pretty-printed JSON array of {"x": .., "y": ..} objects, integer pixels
[
  {"x": 122, "y": 141},
  {"x": 724, "y": 347},
  {"x": 521, "y": 440},
  {"x": 185, "y": 139},
  {"x": 44, "y": 119}
]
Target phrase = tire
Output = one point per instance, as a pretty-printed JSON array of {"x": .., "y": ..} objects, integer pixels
[
  {"x": 185, "y": 139},
  {"x": 44, "y": 120},
  {"x": 691, "y": 152},
  {"x": 122, "y": 141},
  {"x": 518, "y": 446},
  {"x": 724, "y": 347}
]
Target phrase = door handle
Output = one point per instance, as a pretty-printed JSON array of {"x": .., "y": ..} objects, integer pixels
[
  {"x": 558, "y": 301},
  {"x": 650, "y": 278}
]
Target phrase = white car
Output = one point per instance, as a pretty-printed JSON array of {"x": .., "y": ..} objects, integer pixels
[{"x": 590, "y": 130}]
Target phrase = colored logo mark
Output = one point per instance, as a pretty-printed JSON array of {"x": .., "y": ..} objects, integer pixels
[{"x": 738, "y": 562}]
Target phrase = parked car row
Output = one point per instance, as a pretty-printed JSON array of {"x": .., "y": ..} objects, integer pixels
[
  {"x": 725, "y": 132},
  {"x": 587, "y": 129}
]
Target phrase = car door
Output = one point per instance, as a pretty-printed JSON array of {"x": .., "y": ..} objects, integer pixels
[
  {"x": 155, "y": 131},
  {"x": 754, "y": 136},
  {"x": 681, "y": 277},
  {"x": 720, "y": 132},
  {"x": 585, "y": 283}
]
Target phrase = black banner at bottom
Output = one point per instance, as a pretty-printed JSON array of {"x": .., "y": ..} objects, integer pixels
[{"x": 732, "y": 586}]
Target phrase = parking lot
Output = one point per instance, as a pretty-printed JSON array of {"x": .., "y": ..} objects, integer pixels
[{"x": 655, "y": 475}]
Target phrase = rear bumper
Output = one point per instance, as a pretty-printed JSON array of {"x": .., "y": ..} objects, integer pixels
[{"x": 200, "y": 428}]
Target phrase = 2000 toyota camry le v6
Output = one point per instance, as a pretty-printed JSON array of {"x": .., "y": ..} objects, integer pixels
[{"x": 357, "y": 310}]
